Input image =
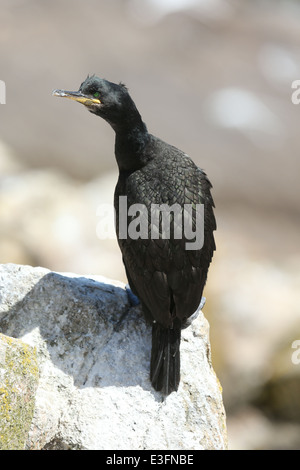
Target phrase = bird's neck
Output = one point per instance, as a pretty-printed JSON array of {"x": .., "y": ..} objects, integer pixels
[{"x": 131, "y": 139}]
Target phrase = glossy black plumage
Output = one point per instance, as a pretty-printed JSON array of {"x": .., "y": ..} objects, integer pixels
[{"x": 166, "y": 277}]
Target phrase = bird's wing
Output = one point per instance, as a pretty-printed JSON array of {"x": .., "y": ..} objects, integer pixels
[{"x": 168, "y": 278}]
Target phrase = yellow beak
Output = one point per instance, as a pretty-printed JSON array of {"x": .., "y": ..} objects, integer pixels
[{"x": 77, "y": 96}]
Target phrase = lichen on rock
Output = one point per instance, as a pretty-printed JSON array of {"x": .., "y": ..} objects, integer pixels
[{"x": 18, "y": 383}]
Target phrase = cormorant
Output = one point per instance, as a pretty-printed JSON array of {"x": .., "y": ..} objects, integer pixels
[{"x": 166, "y": 274}]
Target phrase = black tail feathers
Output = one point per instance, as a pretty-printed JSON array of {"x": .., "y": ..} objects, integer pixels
[{"x": 165, "y": 358}]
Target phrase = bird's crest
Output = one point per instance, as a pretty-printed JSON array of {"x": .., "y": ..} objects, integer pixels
[{"x": 123, "y": 86}]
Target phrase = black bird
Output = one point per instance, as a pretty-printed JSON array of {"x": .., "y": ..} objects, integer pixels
[{"x": 166, "y": 276}]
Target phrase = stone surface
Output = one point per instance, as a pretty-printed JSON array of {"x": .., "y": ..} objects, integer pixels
[
  {"x": 18, "y": 385},
  {"x": 93, "y": 353}
]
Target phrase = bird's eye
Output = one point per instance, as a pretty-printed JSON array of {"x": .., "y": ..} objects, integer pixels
[{"x": 96, "y": 94}]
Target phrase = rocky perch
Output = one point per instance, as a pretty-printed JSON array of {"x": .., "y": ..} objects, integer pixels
[{"x": 74, "y": 370}]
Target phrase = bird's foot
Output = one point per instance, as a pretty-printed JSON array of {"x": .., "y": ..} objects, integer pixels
[
  {"x": 133, "y": 299},
  {"x": 202, "y": 303},
  {"x": 193, "y": 317}
]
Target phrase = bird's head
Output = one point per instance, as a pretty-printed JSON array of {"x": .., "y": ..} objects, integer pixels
[{"x": 108, "y": 100}]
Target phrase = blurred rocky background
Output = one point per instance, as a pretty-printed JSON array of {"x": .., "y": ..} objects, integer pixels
[{"x": 214, "y": 78}]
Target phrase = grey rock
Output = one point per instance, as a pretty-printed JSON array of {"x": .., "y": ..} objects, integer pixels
[{"x": 93, "y": 351}]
